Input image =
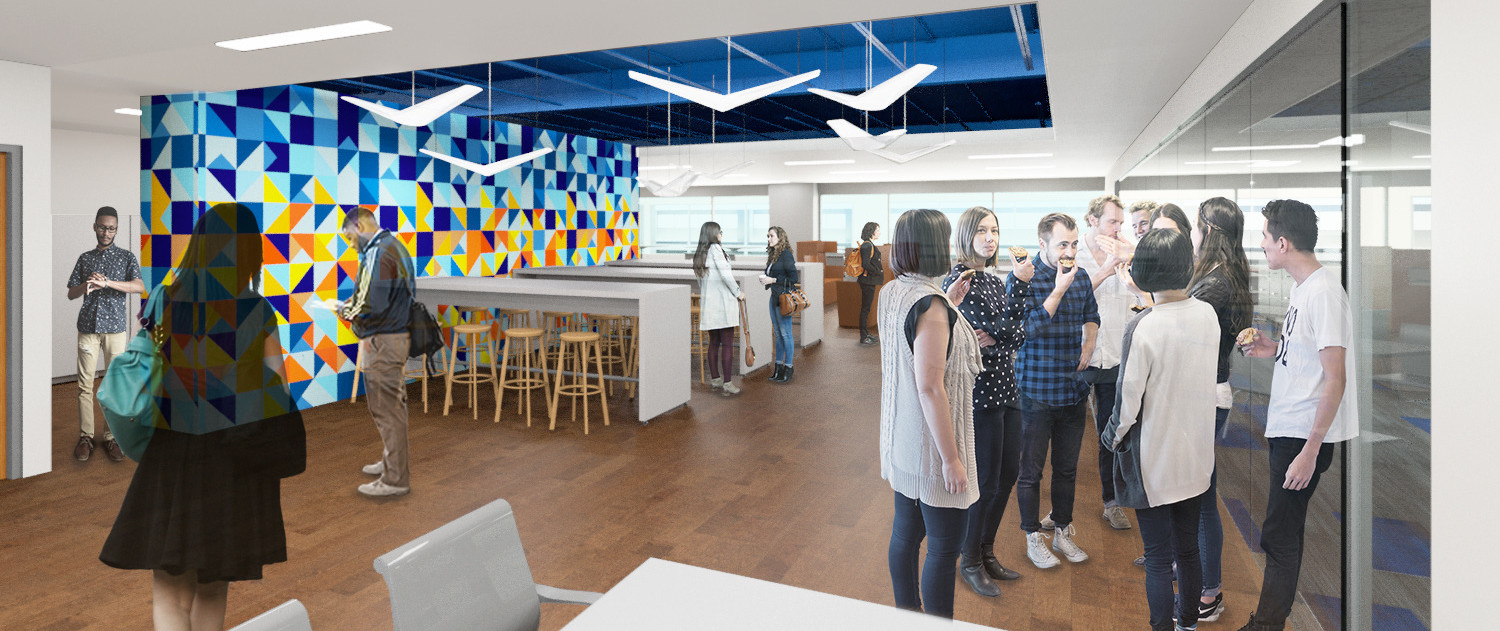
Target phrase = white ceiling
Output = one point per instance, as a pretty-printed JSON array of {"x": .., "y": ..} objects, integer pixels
[{"x": 1110, "y": 65}]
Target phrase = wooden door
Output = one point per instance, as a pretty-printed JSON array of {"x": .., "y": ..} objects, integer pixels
[{"x": 4, "y": 304}]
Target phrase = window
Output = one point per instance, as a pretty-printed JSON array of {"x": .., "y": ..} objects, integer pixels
[{"x": 843, "y": 216}]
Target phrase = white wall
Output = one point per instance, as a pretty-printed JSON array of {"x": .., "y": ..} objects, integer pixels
[
  {"x": 93, "y": 170},
  {"x": 26, "y": 120},
  {"x": 794, "y": 207},
  {"x": 1464, "y": 301}
]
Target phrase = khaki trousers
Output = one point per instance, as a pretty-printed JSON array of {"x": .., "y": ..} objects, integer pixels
[
  {"x": 385, "y": 389},
  {"x": 91, "y": 346}
]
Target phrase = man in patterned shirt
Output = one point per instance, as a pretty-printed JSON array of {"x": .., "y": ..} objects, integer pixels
[
  {"x": 1062, "y": 325},
  {"x": 102, "y": 277}
]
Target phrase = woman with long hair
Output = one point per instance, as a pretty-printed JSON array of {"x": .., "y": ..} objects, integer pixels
[
  {"x": 870, "y": 280},
  {"x": 929, "y": 359},
  {"x": 1221, "y": 278},
  {"x": 781, "y": 276},
  {"x": 204, "y": 505},
  {"x": 1170, "y": 217},
  {"x": 996, "y": 308},
  {"x": 718, "y": 303}
]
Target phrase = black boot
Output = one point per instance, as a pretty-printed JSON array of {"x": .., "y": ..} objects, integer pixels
[
  {"x": 776, "y": 375},
  {"x": 976, "y": 578},
  {"x": 786, "y": 375},
  {"x": 993, "y": 568}
]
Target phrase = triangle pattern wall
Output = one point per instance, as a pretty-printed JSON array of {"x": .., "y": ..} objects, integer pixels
[{"x": 301, "y": 158}]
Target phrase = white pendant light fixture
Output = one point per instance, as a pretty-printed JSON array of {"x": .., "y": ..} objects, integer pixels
[
  {"x": 723, "y": 102},
  {"x": 680, "y": 184},
  {"x": 903, "y": 158},
  {"x": 424, "y": 113},
  {"x": 491, "y": 168},
  {"x": 883, "y": 95},
  {"x": 861, "y": 140}
]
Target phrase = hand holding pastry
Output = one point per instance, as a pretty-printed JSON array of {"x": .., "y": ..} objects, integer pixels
[
  {"x": 1253, "y": 344},
  {"x": 960, "y": 288},
  {"x": 1021, "y": 266}
]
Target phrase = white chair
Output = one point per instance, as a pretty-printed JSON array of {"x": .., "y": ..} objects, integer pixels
[
  {"x": 467, "y": 575},
  {"x": 288, "y": 616}
]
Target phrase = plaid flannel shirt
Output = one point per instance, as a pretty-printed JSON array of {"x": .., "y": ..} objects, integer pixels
[{"x": 1047, "y": 363}]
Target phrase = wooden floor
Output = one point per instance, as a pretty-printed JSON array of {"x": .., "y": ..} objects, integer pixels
[{"x": 781, "y": 483}]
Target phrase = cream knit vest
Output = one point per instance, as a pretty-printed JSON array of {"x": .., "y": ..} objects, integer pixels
[{"x": 909, "y": 457}]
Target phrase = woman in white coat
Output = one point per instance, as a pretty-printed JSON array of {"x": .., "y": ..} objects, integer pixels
[{"x": 719, "y": 313}]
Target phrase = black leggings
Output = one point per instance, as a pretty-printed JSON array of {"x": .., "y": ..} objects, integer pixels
[
  {"x": 721, "y": 353},
  {"x": 866, "y": 296}
]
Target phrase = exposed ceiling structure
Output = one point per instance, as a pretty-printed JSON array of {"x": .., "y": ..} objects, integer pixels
[{"x": 990, "y": 75}]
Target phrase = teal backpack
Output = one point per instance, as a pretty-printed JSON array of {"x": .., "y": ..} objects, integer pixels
[{"x": 132, "y": 382}]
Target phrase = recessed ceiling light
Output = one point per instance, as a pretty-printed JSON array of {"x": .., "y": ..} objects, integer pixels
[
  {"x": 1004, "y": 156},
  {"x": 859, "y": 172},
  {"x": 809, "y": 163},
  {"x": 128, "y": 111},
  {"x": 305, "y": 36},
  {"x": 1253, "y": 163},
  {"x": 1353, "y": 140},
  {"x": 738, "y": 175},
  {"x": 1266, "y": 148},
  {"x": 1020, "y": 167},
  {"x": 666, "y": 167},
  {"x": 1422, "y": 157}
]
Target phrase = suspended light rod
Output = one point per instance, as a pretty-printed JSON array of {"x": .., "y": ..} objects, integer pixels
[{"x": 870, "y": 35}]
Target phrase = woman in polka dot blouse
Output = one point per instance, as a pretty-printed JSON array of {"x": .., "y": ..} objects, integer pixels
[{"x": 995, "y": 308}]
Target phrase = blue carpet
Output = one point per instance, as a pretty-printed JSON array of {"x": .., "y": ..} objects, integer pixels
[
  {"x": 1249, "y": 530},
  {"x": 1424, "y": 424},
  {"x": 1399, "y": 546},
  {"x": 1386, "y": 617}
]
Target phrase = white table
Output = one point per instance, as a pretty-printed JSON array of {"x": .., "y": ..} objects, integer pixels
[
  {"x": 665, "y": 382},
  {"x": 810, "y": 329},
  {"x": 756, "y": 297},
  {"x": 666, "y": 596}
]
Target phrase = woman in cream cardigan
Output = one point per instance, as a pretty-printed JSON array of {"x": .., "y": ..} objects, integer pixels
[
  {"x": 718, "y": 306},
  {"x": 929, "y": 359}
]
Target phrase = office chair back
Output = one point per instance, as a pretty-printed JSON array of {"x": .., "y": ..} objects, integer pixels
[{"x": 288, "y": 616}]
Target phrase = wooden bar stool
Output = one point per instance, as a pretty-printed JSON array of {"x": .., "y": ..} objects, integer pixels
[
  {"x": 514, "y": 318},
  {"x": 423, "y": 373},
  {"x": 632, "y": 350},
  {"x": 699, "y": 347},
  {"x": 554, "y": 324},
  {"x": 581, "y": 343},
  {"x": 524, "y": 344},
  {"x": 474, "y": 338},
  {"x": 611, "y": 329}
]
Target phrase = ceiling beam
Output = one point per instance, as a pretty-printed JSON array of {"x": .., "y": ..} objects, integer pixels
[
  {"x": 553, "y": 75},
  {"x": 1021, "y": 37},
  {"x": 439, "y": 74},
  {"x": 751, "y": 54},
  {"x": 650, "y": 68},
  {"x": 864, "y": 29}
]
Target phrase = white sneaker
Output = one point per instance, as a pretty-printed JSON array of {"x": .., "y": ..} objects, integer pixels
[
  {"x": 716, "y": 383},
  {"x": 381, "y": 489},
  {"x": 1047, "y": 523},
  {"x": 730, "y": 389},
  {"x": 1116, "y": 517},
  {"x": 1036, "y": 550},
  {"x": 375, "y": 469},
  {"x": 1062, "y": 543}
]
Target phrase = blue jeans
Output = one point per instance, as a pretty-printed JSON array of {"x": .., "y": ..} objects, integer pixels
[
  {"x": 781, "y": 334},
  {"x": 1169, "y": 531},
  {"x": 1210, "y": 527},
  {"x": 1061, "y": 428},
  {"x": 1105, "y": 385},
  {"x": 944, "y": 531},
  {"x": 997, "y": 456}
]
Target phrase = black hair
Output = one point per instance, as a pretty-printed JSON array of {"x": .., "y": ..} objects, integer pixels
[
  {"x": 1173, "y": 212},
  {"x": 1044, "y": 227},
  {"x": 1293, "y": 220},
  {"x": 920, "y": 243},
  {"x": 1163, "y": 260},
  {"x": 106, "y": 211},
  {"x": 868, "y": 232}
]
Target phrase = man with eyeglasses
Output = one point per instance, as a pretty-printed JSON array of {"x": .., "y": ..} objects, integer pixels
[{"x": 103, "y": 277}]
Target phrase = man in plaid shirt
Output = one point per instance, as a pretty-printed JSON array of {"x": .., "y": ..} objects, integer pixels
[{"x": 1062, "y": 324}]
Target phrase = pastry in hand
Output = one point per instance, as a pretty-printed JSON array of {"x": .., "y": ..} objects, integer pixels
[
  {"x": 966, "y": 273},
  {"x": 1065, "y": 262},
  {"x": 1247, "y": 337},
  {"x": 1019, "y": 253}
]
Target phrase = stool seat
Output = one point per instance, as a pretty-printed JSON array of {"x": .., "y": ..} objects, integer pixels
[
  {"x": 468, "y": 329},
  {"x": 580, "y": 336},
  {"x": 521, "y": 332}
]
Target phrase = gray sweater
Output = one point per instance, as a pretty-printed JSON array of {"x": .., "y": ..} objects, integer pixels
[{"x": 909, "y": 458}]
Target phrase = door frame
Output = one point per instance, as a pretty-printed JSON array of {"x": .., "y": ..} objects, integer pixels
[{"x": 13, "y": 337}]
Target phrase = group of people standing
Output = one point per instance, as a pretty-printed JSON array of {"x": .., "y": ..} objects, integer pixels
[
  {"x": 977, "y": 394},
  {"x": 719, "y": 299}
]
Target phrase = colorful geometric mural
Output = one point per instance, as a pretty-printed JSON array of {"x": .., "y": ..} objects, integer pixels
[{"x": 300, "y": 158}]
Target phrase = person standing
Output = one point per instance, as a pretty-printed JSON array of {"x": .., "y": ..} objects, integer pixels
[
  {"x": 929, "y": 357},
  {"x": 1101, "y": 253},
  {"x": 995, "y": 308},
  {"x": 781, "y": 276},
  {"x": 103, "y": 276},
  {"x": 204, "y": 505},
  {"x": 1221, "y": 278},
  {"x": 719, "y": 298},
  {"x": 1062, "y": 327},
  {"x": 379, "y": 314},
  {"x": 870, "y": 280},
  {"x": 1165, "y": 449},
  {"x": 1311, "y": 410}
]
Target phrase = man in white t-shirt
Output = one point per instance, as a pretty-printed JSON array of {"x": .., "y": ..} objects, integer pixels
[{"x": 1311, "y": 409}]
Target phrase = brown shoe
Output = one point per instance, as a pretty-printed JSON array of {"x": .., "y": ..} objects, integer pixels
[
  {"x": 112, "y": 450},
  {"x": 84, "y": 449}
]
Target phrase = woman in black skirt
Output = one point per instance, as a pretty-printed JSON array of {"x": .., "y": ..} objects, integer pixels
[{"x": 204, "y": 506}]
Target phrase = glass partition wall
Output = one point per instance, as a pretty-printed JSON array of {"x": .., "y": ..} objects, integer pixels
[{"x": 1336, "y": 116}]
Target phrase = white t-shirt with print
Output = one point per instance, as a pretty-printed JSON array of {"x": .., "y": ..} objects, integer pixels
[
  {"x": 1317, "y": 317},
  {"x": 1114, "y": 299}
]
